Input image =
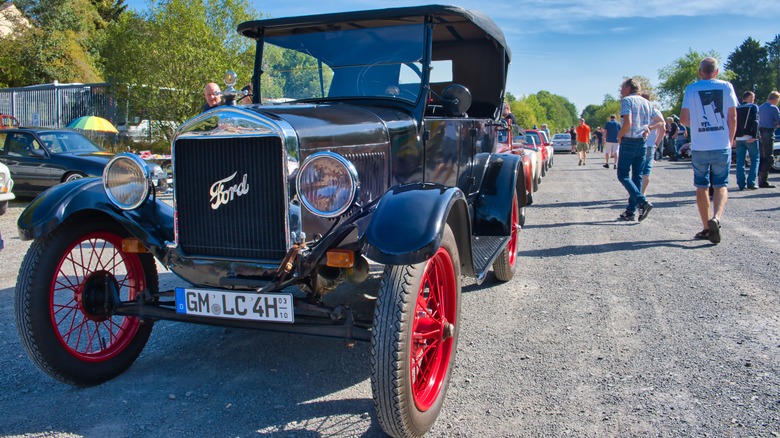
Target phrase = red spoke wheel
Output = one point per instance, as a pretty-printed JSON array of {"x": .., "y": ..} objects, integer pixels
[
  {"x": 414, "y": 340},
  {"x": 505, "y": 265},
  {"x": 69, "y": 283}
]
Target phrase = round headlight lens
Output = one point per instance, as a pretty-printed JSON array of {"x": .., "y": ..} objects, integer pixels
[
  {"x": 327, "y": 184},
  {"x": 126, "y": 181}
]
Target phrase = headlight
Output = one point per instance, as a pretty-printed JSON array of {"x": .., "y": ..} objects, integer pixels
[
  {"x": 126, "y": 181},
  {"x": 327, "y": 184}
]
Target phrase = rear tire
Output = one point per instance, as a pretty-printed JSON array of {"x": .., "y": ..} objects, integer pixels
[
  {"x": 62, "y": 313},
  {"x": 505, "y": 265},
  {"x": 414, "y": 340}
]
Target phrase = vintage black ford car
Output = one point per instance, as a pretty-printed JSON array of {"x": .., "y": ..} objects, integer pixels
[{"x": 378, "y": 143}]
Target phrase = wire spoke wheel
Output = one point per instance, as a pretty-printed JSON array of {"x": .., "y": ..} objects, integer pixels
[
  {"x": 414, "y": 340},
  {"x": 69, "y": 285},
  {"x": 505, "y": 265}
]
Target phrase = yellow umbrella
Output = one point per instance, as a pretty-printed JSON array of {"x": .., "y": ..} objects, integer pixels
[{"x": 93, "y": 123}]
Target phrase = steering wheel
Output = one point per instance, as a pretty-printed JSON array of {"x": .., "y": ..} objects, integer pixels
[{"x": 364, "y": 86}]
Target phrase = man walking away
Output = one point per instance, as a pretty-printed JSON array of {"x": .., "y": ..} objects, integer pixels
[
  {"x": 583, "y": 140},
  {"x": 768, "y": 120},
  {"x": 611, "y": 130},
  {"x": 747, "y": 140},
  {"x": 637, "y": 115},
  {"x": 709, "y": 108}
]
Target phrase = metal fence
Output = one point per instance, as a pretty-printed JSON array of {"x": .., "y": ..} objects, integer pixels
[{"x": 55, "y": 105}]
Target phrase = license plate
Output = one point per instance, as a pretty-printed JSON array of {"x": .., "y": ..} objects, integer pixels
[{"x": 235, "y": 305}]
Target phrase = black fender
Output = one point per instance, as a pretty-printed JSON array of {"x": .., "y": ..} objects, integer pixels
[
  {"x": 152, "y": 222},
  {"x": 408, "y": 223},
  {"x": 493, "y": 206}
]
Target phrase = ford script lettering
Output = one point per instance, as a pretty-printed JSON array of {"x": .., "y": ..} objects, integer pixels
[{"x": 221, "y": 195}]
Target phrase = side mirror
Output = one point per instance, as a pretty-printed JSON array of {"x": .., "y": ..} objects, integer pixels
[{"x": 456, "y": 100}]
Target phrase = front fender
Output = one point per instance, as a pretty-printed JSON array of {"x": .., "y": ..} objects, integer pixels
[
  {"x": 152, "y": 222},
  {"x": 493, "y": 212},
  {"x": 408, "y": 223}
]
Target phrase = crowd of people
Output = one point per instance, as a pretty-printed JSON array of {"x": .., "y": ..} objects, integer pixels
[{"x": 711, "y": 123}]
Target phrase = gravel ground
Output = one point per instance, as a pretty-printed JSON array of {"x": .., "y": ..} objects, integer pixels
[{"x": 610, "y": 329}]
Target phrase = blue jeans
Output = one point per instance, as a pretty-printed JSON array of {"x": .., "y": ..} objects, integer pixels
[
  {"x": 743, "y": 148},
  {"x": 631, "y": 159}
]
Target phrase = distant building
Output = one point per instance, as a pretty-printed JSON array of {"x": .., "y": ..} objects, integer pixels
[{"x": 10, "y": 18}]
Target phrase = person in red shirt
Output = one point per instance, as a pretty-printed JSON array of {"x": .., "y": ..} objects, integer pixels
[{"x": 583, "y": 137}]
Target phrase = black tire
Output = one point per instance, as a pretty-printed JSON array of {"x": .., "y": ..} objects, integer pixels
[
  {"x": 406, "y": 405},
  {"x": 505, "y": 265},
  {"x": 522, "y": 216},
  {"x": 3, "y": 207},
  {"x": 775, "y": 165},
  {"x": 47, "y": 285},
  {"x": 72, "y": 176}
]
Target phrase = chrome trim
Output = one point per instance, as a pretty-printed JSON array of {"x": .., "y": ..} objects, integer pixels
[
  {"x": 147, "y": 176},
  {"x": 238, "y": 121},
  {"x": 355, "y": 182}
]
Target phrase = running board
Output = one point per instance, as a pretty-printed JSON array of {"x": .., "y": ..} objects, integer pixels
[{"x": 484, "y": 251}]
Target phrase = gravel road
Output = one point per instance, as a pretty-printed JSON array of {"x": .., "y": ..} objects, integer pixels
[{"x": 610, "y": 329}]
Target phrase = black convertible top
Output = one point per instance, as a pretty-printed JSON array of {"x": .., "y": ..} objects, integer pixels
[{"x": 457, "y": 24}]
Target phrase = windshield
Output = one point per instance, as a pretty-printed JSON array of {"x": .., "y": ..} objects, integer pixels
[
  {"x": 381, "y": 62},
  {"x": 59, "y": 142}
]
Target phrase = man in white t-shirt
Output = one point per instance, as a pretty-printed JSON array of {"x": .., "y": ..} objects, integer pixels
[{"x": 709, "y": 108}]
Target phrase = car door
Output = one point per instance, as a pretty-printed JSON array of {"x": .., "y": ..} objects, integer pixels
[{"x": 28, "y": 163}]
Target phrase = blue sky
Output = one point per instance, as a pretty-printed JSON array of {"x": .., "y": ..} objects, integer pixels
[{"x": 583, "y": 49}]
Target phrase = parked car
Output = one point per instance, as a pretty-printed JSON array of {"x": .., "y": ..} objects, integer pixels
[
  {"x": 6, "y": 188},
  {"x": 512, "y": 141},
  {"x": 386, "y": 152},
  {"x": 776, "y": 152},
  {"x": 146, "y": 130},
  {"x": 561, "y": 142},
  {"x": 543, "y": 145},
  {"x": 537, "y": 162},
  {"x": 40, "y": 158},
  {"x": 8, "y": 121}
]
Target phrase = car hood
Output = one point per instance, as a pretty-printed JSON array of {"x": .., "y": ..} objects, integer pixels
[{"x": 314, "y": 126}]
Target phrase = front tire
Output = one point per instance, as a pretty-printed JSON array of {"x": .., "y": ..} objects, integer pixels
[
  {"x": 62, "y": 309},
  {"x": 505, "y": 265},
  {"x": 414, "y": 340}
]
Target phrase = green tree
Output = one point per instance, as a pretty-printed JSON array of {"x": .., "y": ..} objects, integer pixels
[
  {"x": 61, "y": 45},
  {"x": 675, "y": 77},
  {"x": 773, "y": 54},
  {"x": 160, "y": 60},
  {"x": 750, "y": 64}
]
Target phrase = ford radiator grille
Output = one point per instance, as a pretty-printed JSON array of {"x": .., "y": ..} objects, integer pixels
[
  {"x": 372, "y": 172},
  {"x": 230, "y": 197}
]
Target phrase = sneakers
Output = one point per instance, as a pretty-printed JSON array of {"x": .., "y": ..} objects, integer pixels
[
  {"x": 714, "y": 228},
  {"x": 580, "y": 164},
  {"x": 752, "y": 188},
  {"x": 614, "y": 166},
  {"x": 643, "y": 210},
  {"x": 606, "y": 166},
  {"x": 766, "y": 186},
  {"x": 626, "y": 216}
]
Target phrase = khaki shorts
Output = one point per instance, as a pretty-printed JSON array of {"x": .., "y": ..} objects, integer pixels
[
  {"x": 611, "y": 148},
  {"x": 582, "y": 147}
]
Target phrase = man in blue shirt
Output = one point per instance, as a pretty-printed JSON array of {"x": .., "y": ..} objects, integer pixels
[
  {"x": 612, "y": 128},
  {"x": 768, "y": 120}
]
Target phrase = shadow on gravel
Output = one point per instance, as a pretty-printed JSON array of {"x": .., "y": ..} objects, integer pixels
[
  {"x": 567, "y": 250},
  {"x": 606, "y": 203},
  {"x": 198, "y": 380}
]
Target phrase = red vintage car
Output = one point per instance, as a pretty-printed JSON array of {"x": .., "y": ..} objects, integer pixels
[
  {"x": 543, "y": 144},
  {"x": 512, "y": 141}
]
